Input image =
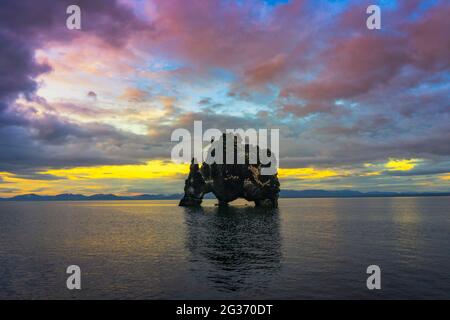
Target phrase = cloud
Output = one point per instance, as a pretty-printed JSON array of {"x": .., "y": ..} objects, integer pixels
[
  {"x": 30, "y": 138},
  {"x": 205, "y": 101},
  {"x": 134, "y": 95},
  {"x": 354, "y": 66},
  {"x": 92, "y": 95},
  {"x": 401, "y": 164},
  {"x": 429, "y": 44},
  {"x": 266, "y": 72}
]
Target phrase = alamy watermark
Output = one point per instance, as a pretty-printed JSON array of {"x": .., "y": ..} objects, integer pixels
[
  {"x": 374, "y": 280},
  {"x": 73, "y": 21},
  {"x": 373, "y": 22},
  {"x": 191, "y": 147},
  {"x": 73, "y": 282}
]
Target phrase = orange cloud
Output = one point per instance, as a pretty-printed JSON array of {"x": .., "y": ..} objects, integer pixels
[{"x": 134, "y": 95}]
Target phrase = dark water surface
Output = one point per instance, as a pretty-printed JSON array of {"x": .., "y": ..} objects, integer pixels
[{"x": 306, "y": 249}]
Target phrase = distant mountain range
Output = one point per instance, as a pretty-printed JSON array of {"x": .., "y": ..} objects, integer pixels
[{"x": 175, "y": 196}]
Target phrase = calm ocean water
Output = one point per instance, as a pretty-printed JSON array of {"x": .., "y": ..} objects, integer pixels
[{"x": 306, "y": 249}]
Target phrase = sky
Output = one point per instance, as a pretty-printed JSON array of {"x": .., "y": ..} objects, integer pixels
[{"x": 92, "y": 110}]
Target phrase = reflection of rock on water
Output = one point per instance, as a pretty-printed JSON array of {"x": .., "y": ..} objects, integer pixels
[{"x": 237, "y": 247}]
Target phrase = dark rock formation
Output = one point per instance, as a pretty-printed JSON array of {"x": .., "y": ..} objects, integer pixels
[{"x": 231, "y": 181}]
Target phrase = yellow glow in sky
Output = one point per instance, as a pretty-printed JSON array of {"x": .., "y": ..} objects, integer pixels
[
  {"x": 158, "y": 168},
  {"x": 306, "y": 173},
  {"x": 401, "y": 164},
  {"x": 150, "y": 170}
]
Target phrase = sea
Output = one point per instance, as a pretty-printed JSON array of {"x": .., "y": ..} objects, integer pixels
[{"x": 306, "y": 249}]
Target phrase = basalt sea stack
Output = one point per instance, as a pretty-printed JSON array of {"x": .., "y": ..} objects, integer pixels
[{"x": 229, "y": 181}]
